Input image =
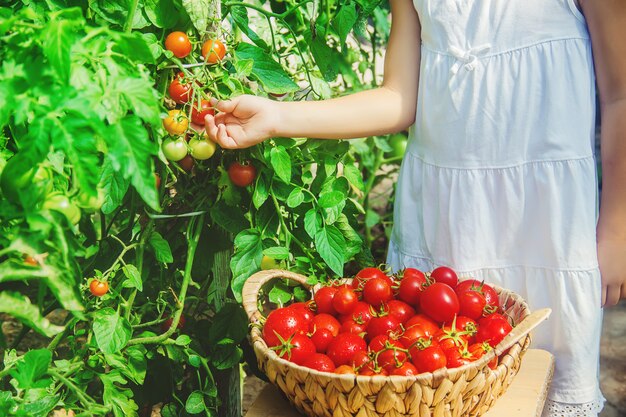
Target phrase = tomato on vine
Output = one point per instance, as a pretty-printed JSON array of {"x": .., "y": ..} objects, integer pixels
[
  {"x": 30, "y": 260},
  {"x": 180, "y": 90},
  {"x": 98, "y": 288},
  {"x": 186, "y": 163},
  {"x": 178, "y": 43},
  {"x": 199, "y": 112},
  {"x": 176, "y": 123},
  {"x": 213, "y": 51},
  {"x": 165, "y": 326},
  {"x": 202, "y": 148},
  {"x": 174, "y": 150},
  {"x": 242, "y": 175},
  {"x": 62, "y": 204},
  {"x": 269, "y": 263},
  {"x": 398, "y": 142}
]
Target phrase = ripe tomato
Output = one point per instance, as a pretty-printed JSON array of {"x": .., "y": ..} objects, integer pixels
[
  {"x": 458, "y": 356},
  {"x": 345, "y": 300},
  {"x": 361, "y": 314},
  {"x": 305, "y": 309},
  {"x": 180, "y": 89},
  {"x": 98, "y": 288},
  {"x": 490, "y": 294},
  {"x": 471, "y": 304},
  {"x": 492, "y": 329},
  {"x": 445, "y": 275},
  {"x": 344, "y": 369},
  {"x": 199, "y": 112},
  {"x": 62, "y": 204},
  {"x": 382, "y": 325},
  {"x": 296, "y": 349},
  {"x": 202, "y": 148},
  {"x": 411, "y": 286},
  {"x": 413, "y": 334},
  {"x": 319, "y": 362},
  {"x": 321, "y": 338},
  {"x": 281, "y": 324},
  {"x": 377, "y": 291},
  {"x": 323, "y": 298},
  {"x": 242, "y": 175},
  {"x": 439, "y": 301},
  {"x": 165, "y": 326},
  {"x": 174, "y": 150},
  {"x": 366, "y": 274},
  {"x": 406, "y": 369},
  {"x": 324, "y": 321},
  {"x": 186, "y": 163},
  {"x": 429, "y": 325},
  {"x": 344, "y": 346},
  {"x": 427, "y": 356},
  {"x": 400, "y": 310},
  {"x": 349, "y": 326},
  {"x": 391, "y": 358},
  {"x": 176, "y": 123},
  {"x": 213, "y": 51},
  {"x": 178, "y": 43},
  {"x": 478, "y": 350},
  {"x": 29, "y": 260}
]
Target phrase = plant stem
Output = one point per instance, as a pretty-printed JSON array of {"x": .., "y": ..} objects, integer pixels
[
  {"x": 128, "y": 25},
  {"x": 57, "y": 339},
  {"x": 84, "y": 398}
]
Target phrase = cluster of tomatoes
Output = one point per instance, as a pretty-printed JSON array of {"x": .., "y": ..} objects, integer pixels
[
  {"x": 379, "y": 324},
  {"x": 186, "y": 144}
]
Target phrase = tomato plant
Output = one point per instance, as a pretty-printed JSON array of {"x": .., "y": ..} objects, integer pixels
[
  {"x": 176, "y": 122},
  {"x": 213, "y": 51},
  {"x": 242, "y": 175},
  {"x": 98, "y": 288},
  {"x": 200, "y": 111}
]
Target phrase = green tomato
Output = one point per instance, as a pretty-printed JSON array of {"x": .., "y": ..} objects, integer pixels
[
  {"x": 269, "y": 263},
  {"x": 398, "y": 142},
  {"x": 16, "y": 180},
  {"x": 174, "y": 150},
  {"x": 202, "y": 148},
  {"x": 90, "y": 203},
  {"x": 61, "y": 203}
]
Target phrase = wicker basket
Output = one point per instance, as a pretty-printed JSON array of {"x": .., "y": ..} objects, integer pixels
[{"x": 467, "y": 391}]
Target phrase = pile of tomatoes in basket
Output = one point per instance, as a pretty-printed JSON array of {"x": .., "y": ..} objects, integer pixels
[{"x": 381, "y": 324}]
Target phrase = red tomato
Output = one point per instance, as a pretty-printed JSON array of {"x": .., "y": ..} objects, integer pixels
[
  {"x": 180, "y": 90},
  {"x": 411, "y": 286},
  {"x": 382, "y": 325},
  {"x": 478, "y": 350},
  {"x": 321, "y": 338},
  {"x": 325, "y": 321},
  {"x": 471, "y": 304},
  {"x": 319, "y": 362},
  {"x": 492, "y": 329},
  {"x": 178, "y": 43},
  {"x": 165, "y": 326},
  {"x": 186, "y": 163},
  {"x": 406, "y": 369},
  {"x": 360, "y": 359},
  {"x": 296, "y": 349},
  {"x": 490, "y": 294},
  {"x": 445, "y": 275},
  {"x": 366, "y": 274},
  {"x": 413, "y": 334},
  {"x": 451, "y": 336},
  {"x": 349, "y": 326},
  {"x": 344, "y": 369},
  {"x": 198, "y": 113},
  {"x": 283, "y": 323},
  {"x": 427, "y": 356},
  {"x": 361, "y": 314},
  {"x": 439, "y": 301},
  {"x": 213, "y": 51},
  {"x": 98, "y": 288},
  {"x": 305, "y": 309},
  {"x": 242, "y": 175},
  {"x": 345, "y": 300},
  {"x": 392, "y": 358},
  {"x": 29, "y": 260},
  {"x": 382, "y": 342},
  {"x": 458, "y": 357},
  {"x": 400, "y": 310},
  {"x": 343, "y": 347},
  {"x": 430, "y": 327},
  {"x": 323, "y": 298},
  {"x": 377, "y": 291}
]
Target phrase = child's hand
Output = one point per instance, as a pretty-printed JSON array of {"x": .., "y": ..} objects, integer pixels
[
  {"x": 612, "y": 259},
  {"x": 242, "y": 121}
]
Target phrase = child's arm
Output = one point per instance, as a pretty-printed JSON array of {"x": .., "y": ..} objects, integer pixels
[
  {"x": 607, "y": 25},
  {"x": 247, "y": 120}
]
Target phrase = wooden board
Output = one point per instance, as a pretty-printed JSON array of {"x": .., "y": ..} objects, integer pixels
[{"x": 524, "y": 398}]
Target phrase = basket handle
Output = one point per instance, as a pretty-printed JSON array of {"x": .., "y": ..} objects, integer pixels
[
  {"x": 252, "y": 286},
  {"x": 522, "y": 329}
]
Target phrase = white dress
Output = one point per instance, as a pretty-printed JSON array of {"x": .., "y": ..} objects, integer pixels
[{"x": 499, "y": 180}]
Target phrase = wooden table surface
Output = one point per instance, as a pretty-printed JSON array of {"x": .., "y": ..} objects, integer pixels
[{"x": 524, "y": 398}]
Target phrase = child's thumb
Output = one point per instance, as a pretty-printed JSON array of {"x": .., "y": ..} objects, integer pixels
[{"x": 223, "y": 105}]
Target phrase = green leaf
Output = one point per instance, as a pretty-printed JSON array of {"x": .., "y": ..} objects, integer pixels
[
  {"x": 330, "y": 244},
  {"x": 240, "y": 17},
  {"x": 246, "y": 259},
  {"x": 230, "y": 322},
  {"x": 353, "y": 239},
  {"x": 279, "y": 294},
  {"x": 183, "y": 340},
  {"x": 199, "y": 12},
  {"x": 58, "y": 39},
  {"x": 111, "y": 330},
  {"x": 133, "y": 277},
  {"x": 296, "y": 197},
  {"x": 29, "y": 371},
  {"x": 37, "y": 403},
  {"x": 141, "y": 97},
  {"x": 281, "y": 162},
  {"x": 162, "y": 13},
  {"x": 115, "y": 187},
  {"x": 331, "y": 199},
  {"x": 132, "y": 363},
  {"x": 7, "y": 403},
  {"x": 161, "y": 248},
  {"x": 261, "y": 192},
  {"x": 312, "y": 223},
  {"x": 229, "y": 219},
  {"x": 20, "y": 307},
  {"x": 326, "y": 58},
  {"x": 354, "y": 176},
  {"x": 277, "y": 252},
  {"x": 345, "y": 20},
  {"x": 226, "y": 354},
  {"x": 195, "y": 403},
  {"x": 267, "y": 71},
  {"x": 118, "y": 398}
]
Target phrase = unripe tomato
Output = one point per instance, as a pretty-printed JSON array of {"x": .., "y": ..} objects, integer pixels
[
  {"x": 91, "y": 203},
  {"x": 398, "y": 142},
  {"x": 242, "y": 175},
  {"x": 176, "y": 123},
  {"x": 61, "y": 203},
  {"x": 199, "y": 112},
  {"x": 98, "y": 288},
  {"x": 178, "y": 43},
  {"x": 202, "y": 148},
  {"x": 15, "y": 179},
  {"x": 174, "y": 150},
  {"x": 213, "y": 50},
  {"x": 269, "y": 263},
  {"x": 180, "y": 90}
]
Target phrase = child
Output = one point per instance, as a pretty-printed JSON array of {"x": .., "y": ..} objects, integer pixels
[{"x": 499, "y": 178}]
